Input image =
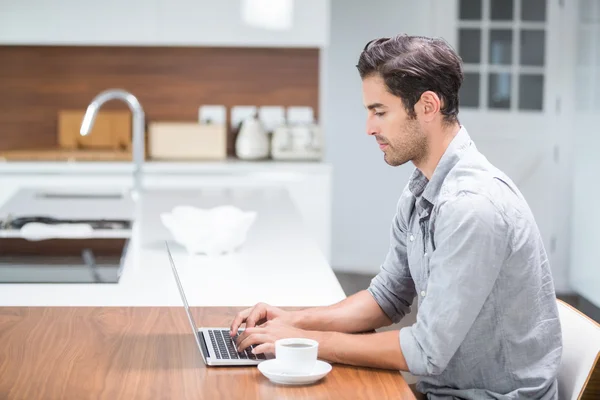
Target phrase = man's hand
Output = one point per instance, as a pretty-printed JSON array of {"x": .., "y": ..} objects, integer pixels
[
  {"x": 266, "y": 334},
  {"x": 258, "y": 315}
]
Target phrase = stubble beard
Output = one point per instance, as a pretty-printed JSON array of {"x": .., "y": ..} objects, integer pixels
[{"x": 413, "y": 147}]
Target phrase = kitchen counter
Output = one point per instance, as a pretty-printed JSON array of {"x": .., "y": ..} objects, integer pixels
[
  {"x": 279, "y": 264},
  {"x": 160, "y": 167}
]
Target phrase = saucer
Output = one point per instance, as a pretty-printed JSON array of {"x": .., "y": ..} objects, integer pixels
[{"x": 270, "y": 369}]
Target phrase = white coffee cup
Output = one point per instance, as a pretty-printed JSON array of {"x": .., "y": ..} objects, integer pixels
[{"x": 296, "y": 356}]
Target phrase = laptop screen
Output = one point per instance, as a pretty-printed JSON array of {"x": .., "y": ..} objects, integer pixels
[{"x": 185, "y": 303}]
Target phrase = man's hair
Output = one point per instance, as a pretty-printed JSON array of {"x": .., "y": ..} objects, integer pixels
[{"x": 412, "y": 65}]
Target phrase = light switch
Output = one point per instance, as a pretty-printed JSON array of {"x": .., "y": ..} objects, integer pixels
[
  {"x": 216, "y": 114},
  {"x": 240, "y": 113},
  {"x": 271, "y": 117},
  {"x": 300, "y": 115}
]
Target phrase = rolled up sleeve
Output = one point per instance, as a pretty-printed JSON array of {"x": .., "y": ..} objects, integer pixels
[
  {"x": 393, "y": 287},
  {"x": 471, "y": 241}
]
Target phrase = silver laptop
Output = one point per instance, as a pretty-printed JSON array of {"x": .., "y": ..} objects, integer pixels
[{"x": 216, "y": 346}]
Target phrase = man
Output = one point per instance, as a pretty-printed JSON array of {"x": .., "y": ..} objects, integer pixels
[{"x": 463, "y": 242}]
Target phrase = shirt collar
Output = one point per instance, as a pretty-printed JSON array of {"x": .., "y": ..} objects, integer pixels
[{"x": 420, "y": 185}]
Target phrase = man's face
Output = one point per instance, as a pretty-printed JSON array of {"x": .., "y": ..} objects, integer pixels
[{"x": 399, "y": 136}]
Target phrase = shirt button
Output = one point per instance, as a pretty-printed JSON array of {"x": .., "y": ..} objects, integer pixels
[
  {"x": 425, "y": 255},
  {"x": 412, "y": 238},
  {"x": 423, "y": 293}
]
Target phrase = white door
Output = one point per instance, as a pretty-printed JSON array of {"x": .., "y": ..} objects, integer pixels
[
  {"x": 584, "y": 38},
  {"x": 509, "y": 101}
]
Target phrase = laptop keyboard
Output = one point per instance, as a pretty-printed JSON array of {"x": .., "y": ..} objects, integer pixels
[{"x": 225, "y": 349}]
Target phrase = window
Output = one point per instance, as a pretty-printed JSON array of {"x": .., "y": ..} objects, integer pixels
[{"x": 503, "y": 47}]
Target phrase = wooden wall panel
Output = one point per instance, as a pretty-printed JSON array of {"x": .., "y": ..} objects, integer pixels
[{"x": 170, "y": 82}]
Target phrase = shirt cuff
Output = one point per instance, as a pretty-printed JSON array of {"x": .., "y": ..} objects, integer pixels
[{"x": 412, "y": 352}]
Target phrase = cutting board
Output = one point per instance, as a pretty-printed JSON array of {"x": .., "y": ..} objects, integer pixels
[{"x": 111, "y": 131}]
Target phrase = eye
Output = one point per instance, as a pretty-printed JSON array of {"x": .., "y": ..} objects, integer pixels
[{"x": 380, "y": 114}]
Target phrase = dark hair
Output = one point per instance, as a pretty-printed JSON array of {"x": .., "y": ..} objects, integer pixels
[{"x": 412, "y": 65}]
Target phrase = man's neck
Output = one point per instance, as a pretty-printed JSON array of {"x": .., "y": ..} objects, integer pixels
[{"x": 437, "y": 147}]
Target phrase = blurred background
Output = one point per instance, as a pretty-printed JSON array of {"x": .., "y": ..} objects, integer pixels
[{"x": 268, "y": 89}]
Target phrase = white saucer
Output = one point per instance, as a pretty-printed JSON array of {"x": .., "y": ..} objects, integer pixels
[{"x": 270, "y": 369}]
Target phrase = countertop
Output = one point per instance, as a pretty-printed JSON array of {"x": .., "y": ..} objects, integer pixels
[
  {"x": 278, "y": 264},
  {"x": 161, "y": 167}
]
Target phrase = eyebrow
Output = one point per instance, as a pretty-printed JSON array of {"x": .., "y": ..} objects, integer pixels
[{"x": 375, "y": 105}]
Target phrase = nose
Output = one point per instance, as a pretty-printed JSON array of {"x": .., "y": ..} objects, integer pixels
[{"x": 372, "y": 128}]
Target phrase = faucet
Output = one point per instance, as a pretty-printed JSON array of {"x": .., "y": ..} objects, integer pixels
[{"x": 137, "y": 128}]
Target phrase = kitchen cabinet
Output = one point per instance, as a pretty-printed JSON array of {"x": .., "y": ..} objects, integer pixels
[{"x": 155, "y": 23}]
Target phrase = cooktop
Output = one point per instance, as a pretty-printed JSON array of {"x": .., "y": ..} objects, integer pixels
[{"x": 12, "y": 222}]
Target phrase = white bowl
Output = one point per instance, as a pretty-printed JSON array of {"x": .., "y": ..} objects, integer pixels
[{"x": 213, "y": 231}]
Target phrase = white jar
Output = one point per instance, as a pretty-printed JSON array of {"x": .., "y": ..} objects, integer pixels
[{"x": 252, "y": 142}]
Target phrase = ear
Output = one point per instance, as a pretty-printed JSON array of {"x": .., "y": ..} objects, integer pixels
[{"x": 430, "y": 105}]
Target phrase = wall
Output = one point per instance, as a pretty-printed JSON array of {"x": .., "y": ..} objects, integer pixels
[
  {"x": 365, "y": 188},
  {"x": 170, "y": 82}
]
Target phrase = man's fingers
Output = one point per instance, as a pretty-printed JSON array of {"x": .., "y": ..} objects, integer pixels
[
  {"x": 253, "y": 338},
  {"x": 251, "y": 316},
  {"x": 264, "y": 348},
  {"x": 239, "y": 320},
  {"x": 257, "y": 314},
  {"x": 243, "y": 336}
]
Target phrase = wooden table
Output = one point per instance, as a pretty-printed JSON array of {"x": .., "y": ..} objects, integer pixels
[{"x": 146, "y": 353}]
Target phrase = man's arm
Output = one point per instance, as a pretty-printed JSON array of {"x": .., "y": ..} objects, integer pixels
[
  {"x": 376, "y": 350},
  {"x": 358, "y": 313}
]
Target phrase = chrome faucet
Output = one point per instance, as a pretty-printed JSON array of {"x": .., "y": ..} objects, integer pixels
[{"x": 137, "y": 128}]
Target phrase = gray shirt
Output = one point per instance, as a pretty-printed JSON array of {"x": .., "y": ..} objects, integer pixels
[{"x": 467, "y": 246}]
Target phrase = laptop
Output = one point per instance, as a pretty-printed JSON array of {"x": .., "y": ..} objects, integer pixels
[{"x": 216, "y": 346}]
